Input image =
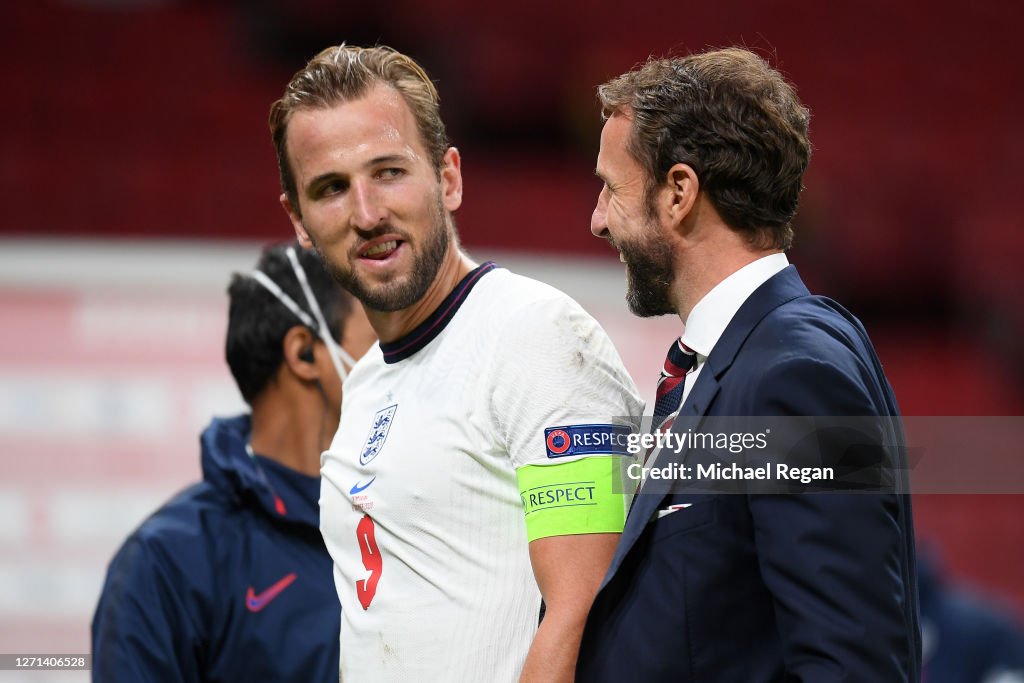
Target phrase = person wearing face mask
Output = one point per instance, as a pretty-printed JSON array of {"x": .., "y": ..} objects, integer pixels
[{"x": 230, "y": 580}]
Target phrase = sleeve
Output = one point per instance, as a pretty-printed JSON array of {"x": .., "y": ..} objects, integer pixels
[
  {"x": 141, "y": 630},
  {"x": 836, "y": 564},
  {"x": 556, "y": 367},
  {"x": 563, "y": 405}
]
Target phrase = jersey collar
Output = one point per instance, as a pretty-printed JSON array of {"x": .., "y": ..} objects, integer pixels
[{"x": 426, "y": 331}]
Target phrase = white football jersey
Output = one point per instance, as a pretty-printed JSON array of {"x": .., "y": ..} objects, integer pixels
[{"x": 420, "y": 507}]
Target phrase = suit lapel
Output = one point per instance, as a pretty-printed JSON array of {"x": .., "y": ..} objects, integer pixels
[
  {"x": 646, "y": 504},
  {"x": 779, "y": 289}
]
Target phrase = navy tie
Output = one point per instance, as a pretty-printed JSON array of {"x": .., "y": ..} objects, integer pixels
[{"x": 680, "y": 361}]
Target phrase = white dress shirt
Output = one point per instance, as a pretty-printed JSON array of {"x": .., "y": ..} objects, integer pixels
[{"x": 713, "y": 313}]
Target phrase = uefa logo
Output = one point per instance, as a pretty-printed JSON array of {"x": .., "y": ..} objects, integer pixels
[{"x": 558, "y": 441}]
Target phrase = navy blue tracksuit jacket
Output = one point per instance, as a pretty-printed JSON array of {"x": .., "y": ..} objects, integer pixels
[{"x": 228, "y": 581}]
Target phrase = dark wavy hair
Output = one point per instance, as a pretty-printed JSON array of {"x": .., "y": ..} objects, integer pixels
[
  {"x": 734, "y": 120},
  {"x": 258, "y": 321}
]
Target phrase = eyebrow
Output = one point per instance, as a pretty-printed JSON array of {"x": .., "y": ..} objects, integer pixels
[
  {"x": 376, "y": 161},
  {"x": 330, "y": 175},
  {"x": 602, "y": 177},
  {"x": 387, "y": 159}
]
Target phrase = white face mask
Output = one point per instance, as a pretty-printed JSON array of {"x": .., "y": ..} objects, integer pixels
[{"x": 339, "y": 357}]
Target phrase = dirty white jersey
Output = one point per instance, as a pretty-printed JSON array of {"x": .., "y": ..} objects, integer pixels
[{"x": 420, "y": 507}]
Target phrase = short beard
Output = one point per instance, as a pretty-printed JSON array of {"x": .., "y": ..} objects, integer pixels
[
  {"x": 650, "y": 273},
  {"x": 405, "y": 290}
]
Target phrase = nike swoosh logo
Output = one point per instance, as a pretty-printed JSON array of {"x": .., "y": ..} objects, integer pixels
[
  {"x": 356, "y": 488},
  {"x": 257, "y": 602}
]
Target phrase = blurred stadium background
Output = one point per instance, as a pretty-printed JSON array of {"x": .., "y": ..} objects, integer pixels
[{"x": 137, "y": 173}]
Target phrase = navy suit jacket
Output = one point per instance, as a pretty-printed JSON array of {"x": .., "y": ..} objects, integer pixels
[{"x": 751, "y": 587}]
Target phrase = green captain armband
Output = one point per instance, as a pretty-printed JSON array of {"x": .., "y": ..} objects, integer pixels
[{"x": 578, "y": 497}]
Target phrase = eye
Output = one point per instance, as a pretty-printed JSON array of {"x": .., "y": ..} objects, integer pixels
[
  {"x": 390, "y": 173},
  {"x": 331, "y": 188}
]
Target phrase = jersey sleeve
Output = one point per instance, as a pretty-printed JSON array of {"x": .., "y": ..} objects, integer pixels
[
  {"x": 564, "y": 406},
  {"x": 141, "y": 630}
]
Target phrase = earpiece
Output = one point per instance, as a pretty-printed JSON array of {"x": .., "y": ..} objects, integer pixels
[{"x": 306, "y": 354}]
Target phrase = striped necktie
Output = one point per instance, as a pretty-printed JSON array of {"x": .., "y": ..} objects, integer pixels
[{"x": 680, "y": 361}]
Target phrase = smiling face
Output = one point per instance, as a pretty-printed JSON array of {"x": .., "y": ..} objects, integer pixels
[
  {"x": 369, "y": 199},
  {"x": 626, "y": 218}
]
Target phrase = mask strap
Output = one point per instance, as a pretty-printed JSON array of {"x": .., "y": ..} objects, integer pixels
[
  {"x": 338, "y": 355},
  {"x": 279, "y": 293}
]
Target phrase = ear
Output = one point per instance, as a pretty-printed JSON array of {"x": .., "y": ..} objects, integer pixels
[
  {"x": 683, "y": 188},
  {"x": 296, "y": 218},
  {"x": 451, "y": 180},
  {"x": 296, "y": 340}
]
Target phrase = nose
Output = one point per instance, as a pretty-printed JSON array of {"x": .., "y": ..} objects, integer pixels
[
  {"x": 367, "y": 211},
  {"x": 599, "y": 219}
]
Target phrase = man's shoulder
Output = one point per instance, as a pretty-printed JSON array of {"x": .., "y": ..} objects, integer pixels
[
  {"x": 814, "y": 346},
  {"x": 519, "y": 291},
  {"x": 810, "y": 336},
  {"x": 810, "y": 323},
  {"x": 186, "y": 524},
  {"x": 521, "y": 305},
  {"x": 531, "y": 316}
]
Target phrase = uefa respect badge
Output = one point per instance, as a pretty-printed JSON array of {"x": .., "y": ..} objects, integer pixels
[{"x": 588, "y": 439}]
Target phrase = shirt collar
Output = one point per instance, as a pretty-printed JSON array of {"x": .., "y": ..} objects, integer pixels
[
  {"x": 712, "y": 314},
  {"x": 429, "y": 329}
]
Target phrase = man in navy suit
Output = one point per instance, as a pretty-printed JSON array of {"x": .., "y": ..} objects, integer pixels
[{"x": 702, "y": 160}]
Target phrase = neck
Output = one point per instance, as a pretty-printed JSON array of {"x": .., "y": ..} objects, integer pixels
[
  {"x": 392, "y": 325},
  {"x": 702, "y": 265},
  {"x": 291, "y": 428}
]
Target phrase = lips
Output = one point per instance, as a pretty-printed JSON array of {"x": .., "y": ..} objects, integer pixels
[{"x": 380, "y": 248}]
